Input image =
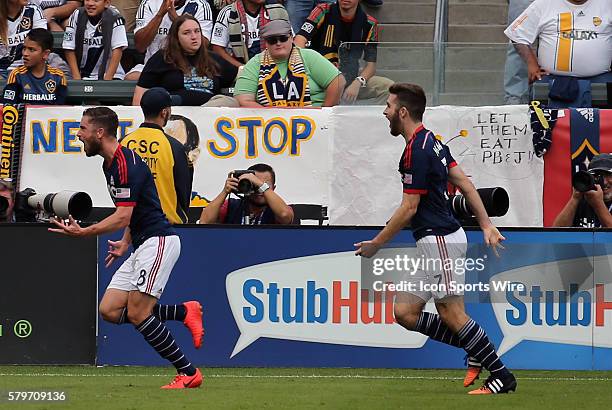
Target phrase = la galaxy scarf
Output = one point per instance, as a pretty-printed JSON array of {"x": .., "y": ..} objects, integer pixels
[{"x": 274, "y": 91}]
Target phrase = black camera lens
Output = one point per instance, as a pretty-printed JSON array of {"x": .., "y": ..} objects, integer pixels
[
  {"x": 583, "y": 181},
  {"x": 3, "y": 204},
  {"x": 245, "y": 186},
  {"x": 495, "y": 200}
]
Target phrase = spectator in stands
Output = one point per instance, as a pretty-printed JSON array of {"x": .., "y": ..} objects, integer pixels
[
  {"x": 591, "y": 209},
  {"x": 7, "y": 201},
  {"x": 57, "y": 11},
  {"x": 286, "y": 76},
  {"x": 35, "y": 82},
  {"x": 128, "y": 9},
  {"x": 94, "y": 41},
  {"x": 575, "y": 46},
  {"x": 236, "y": 32},
  {"x": 516, "y": 86},
  {"x": 153, "y": 22},
  {"x": 300, "y": 9},
  {"x": 262, "y": 207},
  {"x": 185, "y": 68},
  {"x": 17, "y": 18},
  {"x": 329, "y": 26}
]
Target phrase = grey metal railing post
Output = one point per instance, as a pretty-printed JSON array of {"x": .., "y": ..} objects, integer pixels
[{"x": 439, "y": 48}]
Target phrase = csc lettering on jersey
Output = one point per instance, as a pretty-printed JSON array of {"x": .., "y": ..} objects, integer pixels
[
  {"x": 316, "y": 299},
  {"x": 49, "y": 138},
  {"x": 276, "y": 136},
  {"x": 562, "y": 302}
]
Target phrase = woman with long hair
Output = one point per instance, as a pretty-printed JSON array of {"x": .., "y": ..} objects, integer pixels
[{"x": 185, "y": 68}]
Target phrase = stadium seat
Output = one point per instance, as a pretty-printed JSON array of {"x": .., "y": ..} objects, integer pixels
[
  {"x": 86, "y": 91},
  {"x": 303, "y": 212}
]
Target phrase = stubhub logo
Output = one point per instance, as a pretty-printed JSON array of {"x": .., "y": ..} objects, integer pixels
[
  {"x": 316, "y": 299},
  {"x": 563, "y": 302}
]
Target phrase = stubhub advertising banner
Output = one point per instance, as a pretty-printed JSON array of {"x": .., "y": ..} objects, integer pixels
[{"x": 294, "y": 297}]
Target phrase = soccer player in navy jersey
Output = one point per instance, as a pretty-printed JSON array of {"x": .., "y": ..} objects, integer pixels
[
  {"x": 426, "y": 167},
  {"x": 137, "y": 285}
]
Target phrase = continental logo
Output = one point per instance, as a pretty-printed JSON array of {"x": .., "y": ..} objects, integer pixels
[{"x": 10, "y": 117}]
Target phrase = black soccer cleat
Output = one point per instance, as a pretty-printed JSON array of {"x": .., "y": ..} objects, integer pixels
[{"x": 497, "y": 385}]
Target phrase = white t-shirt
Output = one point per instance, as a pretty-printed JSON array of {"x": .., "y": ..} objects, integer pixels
[
  {"x": 31, "y": 16},
  {"x": 574, "y": 39},
  {"x": 93, "y": 46},
  {"x": 220, "y": 35},
  {"x": 46, "y": 4},
  {"x": 199, "y": 9}
]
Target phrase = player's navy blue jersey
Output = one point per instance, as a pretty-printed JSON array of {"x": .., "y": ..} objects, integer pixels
[
  {"x": 424, "y": 169},
  {"x": 131, "y": 183}
]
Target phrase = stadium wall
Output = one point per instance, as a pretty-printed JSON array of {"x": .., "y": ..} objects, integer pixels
[
  {"x": 294, "y": 297},
  {"x": 48, "y": 305}
]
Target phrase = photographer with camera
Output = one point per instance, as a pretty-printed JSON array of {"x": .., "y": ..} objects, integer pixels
[
  {"x": 591, "y": 202},
  {"x": 257, "y": 203},
  {"x": 7, "y": 201}
]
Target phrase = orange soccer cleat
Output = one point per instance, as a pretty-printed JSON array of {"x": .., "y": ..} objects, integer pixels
[
  {"x": 182, "y": 381},
  {"x": 497, "y": 385},
  {"x": 473, "y": 372},
  {"x": 193, "y": 321}
]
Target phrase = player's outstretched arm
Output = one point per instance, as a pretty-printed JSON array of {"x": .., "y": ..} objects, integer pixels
[
  {"x": 492, "y": 236},
  {"x": 400, "y": 219},
  {"x": 117, "y": 249},
  {"x": 118, "y": 220}
]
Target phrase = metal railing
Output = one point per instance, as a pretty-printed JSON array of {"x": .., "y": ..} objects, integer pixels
[{"x": 440, "y": 39}]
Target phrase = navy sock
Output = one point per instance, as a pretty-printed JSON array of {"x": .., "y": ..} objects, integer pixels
[
  {"x": 160, "y": 339},
  {"x": 162, "y": 312},
  {"x": 170, "y": 312},
  {"x": 431, "y": 325},
  {"x": 476, "y": 343}
]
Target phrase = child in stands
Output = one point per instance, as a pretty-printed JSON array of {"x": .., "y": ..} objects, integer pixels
[
  {"x": 36, "y": 82},
  {"x": 94, "y": 41}
]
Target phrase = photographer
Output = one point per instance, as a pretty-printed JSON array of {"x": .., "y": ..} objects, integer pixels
[
  {"x": 260, "y": 206},
  {"x": 591, "y": 208},
  {"x": 7, "y": 201}
]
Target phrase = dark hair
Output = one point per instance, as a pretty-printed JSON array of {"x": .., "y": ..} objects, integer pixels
[
  {"x": 264, "y": 168},
  {"x": 42, "y": 37},
  {"x": 4, "y": 21},
  {"x": 173, "y": 52},
  {"x": 104, "y": 118},
  {"x": 412, "y": 97}
]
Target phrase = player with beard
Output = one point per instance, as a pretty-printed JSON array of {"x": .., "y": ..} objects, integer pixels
[
  {"x": 137, "y": 285},
  {"x": 426, "y": 167},
  {"x": 264, "y": 206}
]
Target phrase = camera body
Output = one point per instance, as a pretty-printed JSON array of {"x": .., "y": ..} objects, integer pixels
[
  {"x": 245, "y": 187},
  {"x": 584, "y": 181},
  {"x": 4, "y": 204}
]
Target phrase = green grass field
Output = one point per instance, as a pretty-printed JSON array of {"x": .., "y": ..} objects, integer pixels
[{"x": 248, "y": 388}]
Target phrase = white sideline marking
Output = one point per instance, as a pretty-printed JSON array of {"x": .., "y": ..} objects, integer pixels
[{"x": 306, "y": 376}]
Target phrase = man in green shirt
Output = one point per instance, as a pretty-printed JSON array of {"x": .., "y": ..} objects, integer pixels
[{"x": 284, "y": 75}]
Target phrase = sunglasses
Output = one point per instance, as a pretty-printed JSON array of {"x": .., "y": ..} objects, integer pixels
[{"x": 277, "y": 39}]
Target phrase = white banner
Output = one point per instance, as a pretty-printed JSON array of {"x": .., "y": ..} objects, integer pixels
[
  {"x": 493, "y": 145},
  {"x": 343, "y": 158},
  {"x": 296, "y": 143}
]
